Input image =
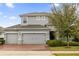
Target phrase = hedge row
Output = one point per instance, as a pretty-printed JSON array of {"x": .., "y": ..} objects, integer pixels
[
  {"x": 53, "y": 43},
  {"x": 2, "y": 41}
]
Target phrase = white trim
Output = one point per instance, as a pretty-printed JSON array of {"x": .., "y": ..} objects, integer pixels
[
  {"x": 19, "y": 37},
  {"x": 27, "y": 31},
  {"x": 33, "y": 32},
  {"x": 30, "y": 28},
  {"x": 10, "y": 32}
]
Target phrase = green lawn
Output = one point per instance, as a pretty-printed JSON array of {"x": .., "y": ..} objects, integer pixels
[
  {"x": 66, "y": 54},
  {"x": 72, "y": 48}
]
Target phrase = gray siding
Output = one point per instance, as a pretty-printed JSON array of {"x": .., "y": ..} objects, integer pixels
[{"x": 36, "y": 20}]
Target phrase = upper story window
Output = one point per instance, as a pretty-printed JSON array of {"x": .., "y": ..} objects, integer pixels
[
  {"x": 32, "y": 17},
  {"x": 40, "y": 18},
  {"x": 37, "y": 17},
  {"x": 24, "y": 21}
]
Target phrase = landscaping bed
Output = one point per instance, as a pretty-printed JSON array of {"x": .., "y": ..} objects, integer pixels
[{"x": 58, "y": 45}]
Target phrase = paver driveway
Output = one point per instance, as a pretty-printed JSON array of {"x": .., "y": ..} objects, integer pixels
[{"x": 23, "y": 48}]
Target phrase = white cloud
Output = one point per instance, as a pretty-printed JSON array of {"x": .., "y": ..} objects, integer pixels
[
  {"x": 4, "y": 16},
  {"x": 13, "y": 17},
  {"x": 1, "y": 13},
  {"x": 9, "y": 5},
  {"x": 56, "y": 4}
]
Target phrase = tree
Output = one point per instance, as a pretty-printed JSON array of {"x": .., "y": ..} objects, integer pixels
[
  {"x": 63, "y": 19},
  {"x": 75, "y": 31}
]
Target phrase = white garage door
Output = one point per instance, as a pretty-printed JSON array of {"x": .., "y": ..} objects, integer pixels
[
  {"x": 12, "y": 38},
  {"x": 30, "y": 38}
]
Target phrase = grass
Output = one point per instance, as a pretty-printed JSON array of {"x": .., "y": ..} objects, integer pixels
[
  {"x": 71, "y": 48},
  {"x": 66, "y": 54}
]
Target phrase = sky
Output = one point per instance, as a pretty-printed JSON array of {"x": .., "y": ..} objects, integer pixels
[{"x": 9, "y": 12}]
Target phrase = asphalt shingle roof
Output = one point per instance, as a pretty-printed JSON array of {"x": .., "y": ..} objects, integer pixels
[
  {"x": 35, "y": 14},
  {"x": 26, "y": 26},
  {"x": 18, "y": 27}
]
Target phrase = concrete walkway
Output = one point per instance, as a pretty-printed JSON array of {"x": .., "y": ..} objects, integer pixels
[
  {"x": 33, "y": 53},
  {"x": 25, "y": 53}
]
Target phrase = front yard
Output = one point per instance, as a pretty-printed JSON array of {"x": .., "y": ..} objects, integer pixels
[
  {"x": 64, "y": 51},
  {"x": 66, "y": 54},
  {"x": 64, "y": 48}
]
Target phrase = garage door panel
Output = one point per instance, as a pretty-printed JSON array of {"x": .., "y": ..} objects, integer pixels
[
  {"x": 12, "y": 38},
  {"x": 36, "y": 38}
]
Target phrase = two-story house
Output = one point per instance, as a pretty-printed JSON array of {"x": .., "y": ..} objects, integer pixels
[{"x": 32, "y": 30}]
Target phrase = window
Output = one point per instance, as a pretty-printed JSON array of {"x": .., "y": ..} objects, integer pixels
[
  {"x": 32, "y": 17},
  {"x": 24, "y": 21},
  {"x": 40, "y": 17}
]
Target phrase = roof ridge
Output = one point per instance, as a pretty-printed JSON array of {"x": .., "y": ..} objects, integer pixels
[{"x": 34, "y": 13}]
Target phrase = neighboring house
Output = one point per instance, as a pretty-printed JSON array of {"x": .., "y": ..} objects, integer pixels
[
  {"x": 32, "y": 30},
  {"x": 1, "y": 32}
]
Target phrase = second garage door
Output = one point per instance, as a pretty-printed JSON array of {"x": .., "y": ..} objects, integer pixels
[
  {"x": 12, "y": 38},
  {"x": 33, "y": 38}
]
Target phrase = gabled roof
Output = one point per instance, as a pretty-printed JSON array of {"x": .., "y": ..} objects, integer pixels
[
  {"x": 35, "y": 14},
  {"x": 18, "y": 27},
  {"x": 26, "y": 26}
]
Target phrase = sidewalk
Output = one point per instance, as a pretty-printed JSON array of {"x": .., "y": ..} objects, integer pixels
[
  {"x": 32, "y": 53},
  {"x": 25, "y": 53}
]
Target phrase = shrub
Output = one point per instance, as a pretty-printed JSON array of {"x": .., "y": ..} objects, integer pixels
[
  {"x": 64, "y": 43},
  {"x": 75, "y": 39},
  {"x": 74, "y": 43},
  {"x": 2, "y": 41},
  {"x": 54, "y": 42}
]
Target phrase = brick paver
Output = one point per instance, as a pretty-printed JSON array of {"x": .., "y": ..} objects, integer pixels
[{"x": 29, "y": 47}]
